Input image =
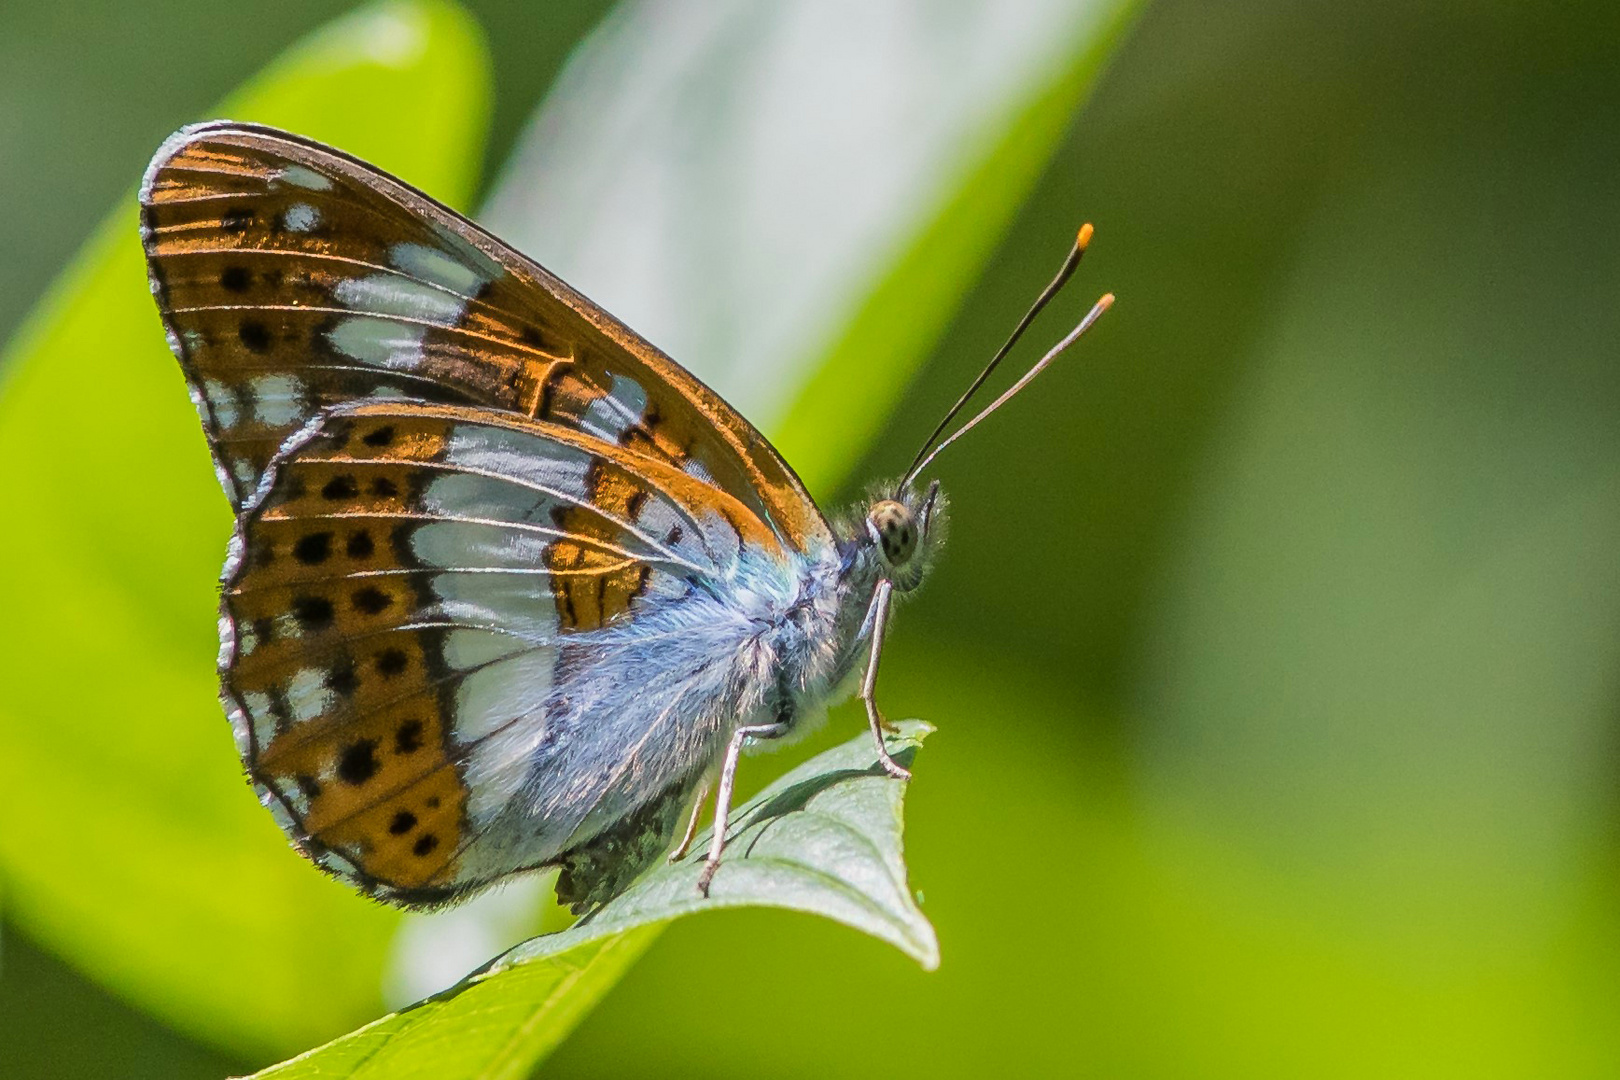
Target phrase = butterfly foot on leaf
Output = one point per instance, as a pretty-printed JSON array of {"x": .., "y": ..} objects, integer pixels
[
  {"x": 704, "y": 878},
  {"x": 893, "y": 767}
]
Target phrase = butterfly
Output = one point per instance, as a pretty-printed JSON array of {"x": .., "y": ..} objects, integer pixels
[{"x": 508, "y": 587}]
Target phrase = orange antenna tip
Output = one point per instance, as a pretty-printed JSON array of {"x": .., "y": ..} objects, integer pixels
[
  {"x": 1084, "y": 238},
  {"x": 1106, "y": 302}
]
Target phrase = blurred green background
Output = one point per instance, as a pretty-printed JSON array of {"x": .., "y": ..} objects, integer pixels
[{"x": 1276, "y": 652}]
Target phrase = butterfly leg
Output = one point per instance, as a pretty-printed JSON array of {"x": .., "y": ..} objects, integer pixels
[
  {"x": 692, "y": 822},
  {"x": 879, "y": 618},
  {"x": 722, "y": 801}
]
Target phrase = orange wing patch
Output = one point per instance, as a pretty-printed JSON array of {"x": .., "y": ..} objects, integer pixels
[
  {"x": 360, "y": 745},
  {"x": 594, "y": 586},
  {"x": 380, "y": 790}
]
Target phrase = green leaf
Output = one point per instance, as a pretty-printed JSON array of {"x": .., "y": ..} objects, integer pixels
[
  {"x": 132, "y": 846},
  {"x": 791, "y": 200},
  {"x": 824, "y": 839}
]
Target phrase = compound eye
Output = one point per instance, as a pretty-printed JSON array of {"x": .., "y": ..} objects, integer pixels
[{"x": 895, "y": 531}]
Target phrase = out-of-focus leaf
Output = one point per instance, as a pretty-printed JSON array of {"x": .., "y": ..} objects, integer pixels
[
  {"x": 1379, "y": 683},
  {"x": 131, "y": 844},
  {"x": 824, "y": 839},
  {"x": 792, "y": 198}
]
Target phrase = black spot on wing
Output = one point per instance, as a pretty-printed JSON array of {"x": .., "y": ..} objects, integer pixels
[
  {"x": 371, "y": 600},
  {"x": 340, "y": 487},
  {"x": 392, "y": 662},
  {"x": 314, "y": 613},
  {"x": 408, "y": 740},
  {"x": 313, "y": 549},
  {"x": 254, "y": 336},
  {"x": 358, "y": 762},
  {"x": 342, "y": 678}
]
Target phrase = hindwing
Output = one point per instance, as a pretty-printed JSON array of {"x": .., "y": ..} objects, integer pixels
[{"x": 396, "y": 605}]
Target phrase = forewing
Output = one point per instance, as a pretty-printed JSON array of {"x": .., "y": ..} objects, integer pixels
[
  {"x": 293, "y": 278},
  {"x": 395, "y": 609}
]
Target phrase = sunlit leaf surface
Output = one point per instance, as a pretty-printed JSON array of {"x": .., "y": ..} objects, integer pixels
[
  {"x": 824, "y": 839},
  {"x": 131, "y": 843}
]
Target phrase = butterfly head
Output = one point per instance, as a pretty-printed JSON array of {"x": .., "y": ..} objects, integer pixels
[{"x": 903, "y": 531}]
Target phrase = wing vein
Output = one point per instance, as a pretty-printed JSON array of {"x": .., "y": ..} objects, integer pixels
[{"x": 667, "y": 556}]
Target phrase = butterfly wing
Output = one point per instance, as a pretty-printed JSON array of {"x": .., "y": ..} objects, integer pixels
[
  {"x": 394, "y": 632},
  {"x": 292, "y": 278},
  {"x": 468, "y": 502}
]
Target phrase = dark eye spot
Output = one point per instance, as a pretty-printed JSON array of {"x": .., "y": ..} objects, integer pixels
[
  {"x": 358, "y": 763},
  {"x": 433, "y": 802},
  {"x": 391, "y": 662},
  {"x": 408, "y": 739},
  {"x": 254, "y": 335},
  {"x": 371, "y": 600},
  {"x": 384, "y": 487},
  {"x": 425, "y": 844},
  {"x": 403, "y": 822},
  {"x": 312, "y": 612},
  {"x": 380, "y": 437},
  {"x": 312, "y": 550},
  {"x": 340, "y": 487},
  {"x": 235, "y": 279},
  {"x": 360, "y": 546}
]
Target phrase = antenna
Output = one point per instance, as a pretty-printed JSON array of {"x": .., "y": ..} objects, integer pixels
[
  {"x": 1070, "y": 262},
  {"x": 1041, "y": 365}
]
